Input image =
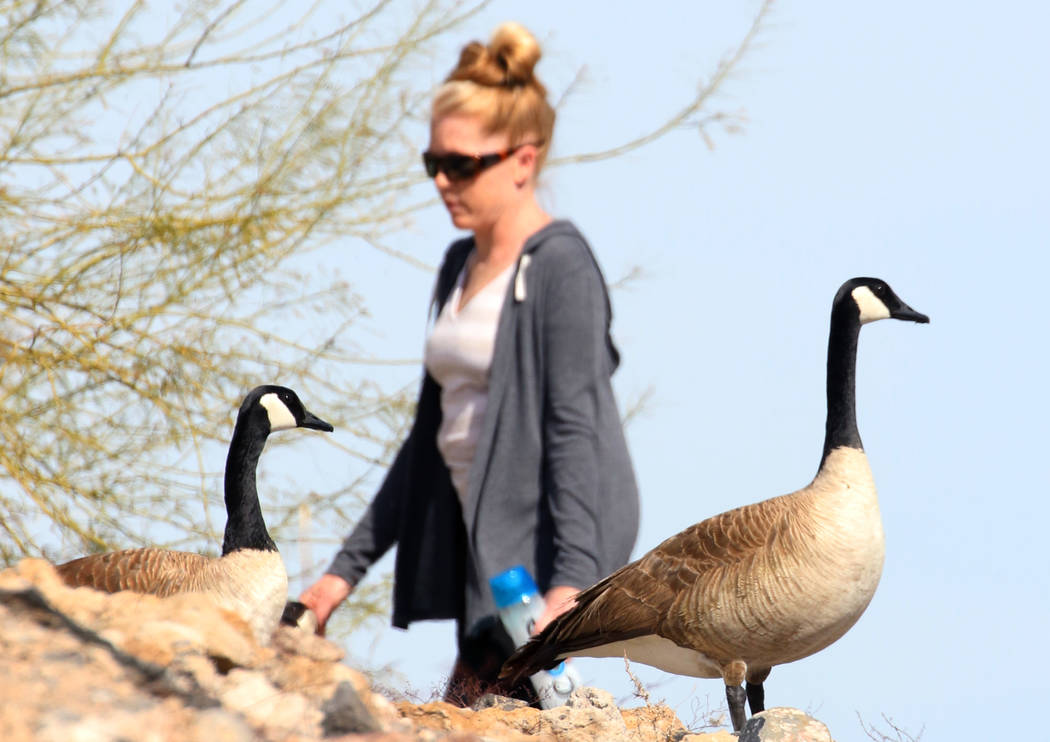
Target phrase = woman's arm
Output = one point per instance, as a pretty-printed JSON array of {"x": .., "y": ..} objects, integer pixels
[
  {"x": 576, "y": 364},
  {"x": 324, "y": 596},
  {"x": 557, "y": 601}
]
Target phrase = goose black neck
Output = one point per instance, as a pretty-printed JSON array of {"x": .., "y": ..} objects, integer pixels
[
  {"x": 841, "y": 426},
  {"x": 245, "y": 527}
]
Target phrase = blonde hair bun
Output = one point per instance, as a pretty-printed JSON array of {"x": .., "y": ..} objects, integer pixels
[
  {"x": 508, "y": 60},
  {"x": 517, "y": 51},
  {"x": 497, "y": 83}
]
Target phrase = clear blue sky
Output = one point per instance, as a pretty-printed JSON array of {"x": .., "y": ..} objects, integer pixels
[{"x": 901, "y": 140}]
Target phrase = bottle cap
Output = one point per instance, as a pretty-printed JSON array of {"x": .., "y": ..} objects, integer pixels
[{"x": 509, "y": 587}]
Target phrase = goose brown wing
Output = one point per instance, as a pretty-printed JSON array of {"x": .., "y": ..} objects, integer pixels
[
  {"x": 156, "y": 571},
  {"x": 652, "y": 594}
]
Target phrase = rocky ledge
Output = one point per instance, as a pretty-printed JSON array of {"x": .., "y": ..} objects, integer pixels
[{"x": 77, "y": 664}]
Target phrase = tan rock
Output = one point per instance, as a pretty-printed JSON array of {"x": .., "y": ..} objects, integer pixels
[
  {"x": 200, "y": 669},
  {"x": 723, "y": 735},
  {"x": 263, "y": 705},
  {"x": 163, "y": 722},
  {"x": 291, "y": 640},
  {"x": 656, "y": 722},
  {"x": 218, "y": 725},
  {"x": 39, "y": 572},
  {"x": 589, "y": 714},
  {"x": 784, "y": 725},
  {"x": 76, "y": 664},
  {"x": 444, "y": 717},
  {"x": 154, "y": 629}
]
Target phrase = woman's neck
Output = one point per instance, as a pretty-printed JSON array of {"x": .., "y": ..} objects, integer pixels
[{"x": 502, "y": 242}]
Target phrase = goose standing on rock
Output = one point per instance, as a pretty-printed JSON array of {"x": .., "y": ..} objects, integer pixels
[
  {"x": 249, "y": 578},
  {"x": 757, "y": 586}
]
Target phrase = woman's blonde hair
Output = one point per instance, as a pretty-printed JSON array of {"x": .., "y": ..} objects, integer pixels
[{"x": 497, "y": 84}]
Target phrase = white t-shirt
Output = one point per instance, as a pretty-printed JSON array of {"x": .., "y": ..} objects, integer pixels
[{"x": 458, "y": 355}]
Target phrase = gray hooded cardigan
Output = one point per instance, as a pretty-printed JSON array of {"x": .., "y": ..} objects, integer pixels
[{"x": 551, "y": 485}]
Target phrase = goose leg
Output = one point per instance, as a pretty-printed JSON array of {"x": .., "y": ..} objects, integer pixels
[
  {"x": 756, "y": 697},
  {"x": 733, "y": 674},
  {"x": 756, "y": 693},
  {"x": 735, "y": 696}
]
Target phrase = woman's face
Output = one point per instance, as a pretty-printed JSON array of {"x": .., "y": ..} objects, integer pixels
[{"x": 477, "y": 203}]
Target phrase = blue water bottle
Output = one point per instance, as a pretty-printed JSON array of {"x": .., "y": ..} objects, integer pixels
[{"x": 520, "y": 604}]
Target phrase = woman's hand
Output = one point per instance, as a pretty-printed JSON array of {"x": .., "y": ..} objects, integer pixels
[
  {"x": 324, "y": 596},
  {"x": 559, "y": 599}
]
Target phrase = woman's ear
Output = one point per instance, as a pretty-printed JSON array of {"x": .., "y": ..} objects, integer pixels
[{"x": 524, "y": 165}]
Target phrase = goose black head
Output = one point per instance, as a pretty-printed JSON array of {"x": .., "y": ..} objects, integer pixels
[
  {"x": 874, "y": 300},
  {"x": 281, "y": 408}
]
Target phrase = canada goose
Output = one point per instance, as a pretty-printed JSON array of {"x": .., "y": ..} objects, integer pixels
[
  {"x": 249, "y": 578},
  {"x": 757, "y": 586}
]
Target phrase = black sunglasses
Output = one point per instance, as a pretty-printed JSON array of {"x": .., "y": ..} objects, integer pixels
[{"x": 457, "y": 167}]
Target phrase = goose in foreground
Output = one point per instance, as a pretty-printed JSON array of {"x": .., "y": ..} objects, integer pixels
[
  {"x": 249, "y": 578},
  {"x": 757, "y": 586}
]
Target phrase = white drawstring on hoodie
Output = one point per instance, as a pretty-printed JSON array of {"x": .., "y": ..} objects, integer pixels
[{"x": 519, "y": 278}]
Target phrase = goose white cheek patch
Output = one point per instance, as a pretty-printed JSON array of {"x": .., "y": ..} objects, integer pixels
[
  {"x": 281, "y": 418},
  {"x": 871, "y": 307}
]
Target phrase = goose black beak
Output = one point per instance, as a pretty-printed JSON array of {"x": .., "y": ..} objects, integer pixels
[
  {"x": 904, "y": 312},
  {"x": 310, "y": 420}
]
